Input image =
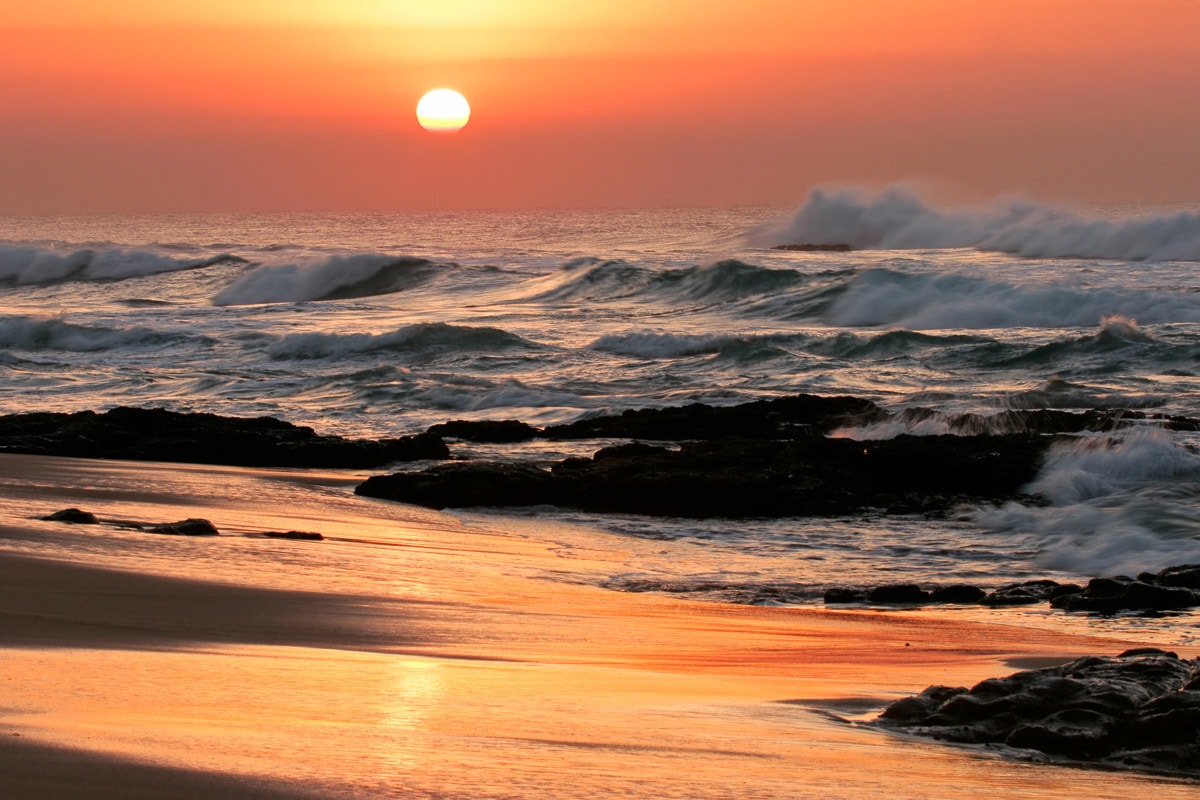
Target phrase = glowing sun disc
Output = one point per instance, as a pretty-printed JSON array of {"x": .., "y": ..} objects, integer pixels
[{"x": 443, "y": 111}]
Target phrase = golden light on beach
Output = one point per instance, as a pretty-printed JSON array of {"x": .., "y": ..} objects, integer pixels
[{"x": 443, "y": 111}]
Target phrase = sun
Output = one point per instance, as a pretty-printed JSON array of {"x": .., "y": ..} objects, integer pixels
[{"x": 443, "y": 111}]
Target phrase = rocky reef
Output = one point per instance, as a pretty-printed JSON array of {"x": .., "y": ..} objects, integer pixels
[
  {"x": 1137, "y": 710},
  {"x": 1172, "y": 589},
  {"x": 159, "y": 435}
]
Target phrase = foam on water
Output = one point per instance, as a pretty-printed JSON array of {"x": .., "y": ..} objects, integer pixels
[{"x": 1119, "y": 504}]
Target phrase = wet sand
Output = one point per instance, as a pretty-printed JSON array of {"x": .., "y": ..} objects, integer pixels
[{"x": 141, "y": 666}]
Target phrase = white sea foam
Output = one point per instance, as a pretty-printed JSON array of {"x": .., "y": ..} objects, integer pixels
[
  {"x": 34, "y": 265},
  {"x": 898, "y": 218},
  {"x": 1119, "y": 505},
  {"x": 336, "y": 277}
]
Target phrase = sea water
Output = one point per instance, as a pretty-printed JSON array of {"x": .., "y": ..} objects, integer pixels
[{"x": 381, "y": 324}]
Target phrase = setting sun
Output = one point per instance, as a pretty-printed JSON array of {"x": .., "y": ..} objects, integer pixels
[{"x": 443, "y": 111}]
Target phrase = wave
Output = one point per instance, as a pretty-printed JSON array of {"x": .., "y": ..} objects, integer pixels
[
  {"x": 31, "y": 333},
  {"x": 333, "y": 278},
  {"x": 887, "y": 345},
  {"x": 425, "y": 338},
  {"x": 28, "y": 265},
  {"x": 898, "y": 218},
  {"x": 877, "y": 297},
  {"x": 590, "y": 279},
  {"x": 1116, "y": 335},
  {"x": 1117, "y": 505}
]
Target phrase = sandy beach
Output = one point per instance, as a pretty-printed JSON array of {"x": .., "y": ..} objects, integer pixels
[{"x": 471, "y": 659}]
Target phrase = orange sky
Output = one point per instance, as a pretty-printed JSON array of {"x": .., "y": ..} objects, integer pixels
[{"x": 141, "y": 105}]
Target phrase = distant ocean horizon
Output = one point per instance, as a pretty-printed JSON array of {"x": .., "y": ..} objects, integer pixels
[{"x": 381, "y": 324}]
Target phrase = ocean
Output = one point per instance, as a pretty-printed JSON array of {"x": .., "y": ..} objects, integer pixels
[{"x": 382, "y": 324}]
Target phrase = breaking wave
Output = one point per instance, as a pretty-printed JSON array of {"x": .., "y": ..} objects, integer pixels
[
  {"x": 425, "y": 338},
  {"x": 1119, "y": 504},
  {"x": 25, "y": 265},
  {"x": 334, "y": 278},
  {"x": 898, "y": 218},
  {"x": 878, "y": 297},
  {"x": 31, "y": 333},
  {"x": 589, "y": 279}
]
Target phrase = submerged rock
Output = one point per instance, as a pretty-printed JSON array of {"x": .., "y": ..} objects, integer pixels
[
  {"x": 160, "y": 435},
  {"x": 1140, "y": 709},
  {"x": 187, "y": 527},
  {"x": 74, "y": 516},
  {"x": 307, "y": 536}
]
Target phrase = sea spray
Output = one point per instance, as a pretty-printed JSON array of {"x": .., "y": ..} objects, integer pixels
[{"x": 898, "y": 218}]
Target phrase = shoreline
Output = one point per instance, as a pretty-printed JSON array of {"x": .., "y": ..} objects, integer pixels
[{"x": 462, "y": 673}]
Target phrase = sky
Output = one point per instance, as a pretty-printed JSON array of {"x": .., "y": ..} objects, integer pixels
[{"x": 248, "y": 105}]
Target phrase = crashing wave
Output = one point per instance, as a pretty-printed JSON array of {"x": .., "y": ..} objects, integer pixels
[
  {"x": 27, "y": 265},
  {"x": 898, "y": 218},
  {"x": 32, "y": 333},
  {"x": 878, "y": 297},
  {"x": 333, "y": 278}
]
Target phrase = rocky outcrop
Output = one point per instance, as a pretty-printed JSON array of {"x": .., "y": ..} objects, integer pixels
[
  {"x": 809, "y": 475},
  {"x": 1140, "y": 709},
  {"x": 781, "y": 418},
  {"x": 73, "y": 516},
  {"x": 503, "y": 431},
  {"x": 1172, "y": 589},
  {"x": 160, "y": 435},
  {"x": 186, "y": 527}
]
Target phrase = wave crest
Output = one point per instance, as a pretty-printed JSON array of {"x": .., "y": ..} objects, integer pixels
[
  {"x": 425, "y": 338},
  {"x": 898, "y": 218},
  {"x": 24, "y": 265},
  {"x": 333, "y": 278},
  {"x": 31, "y": 333},
  {"x": 878, "y": 297}
]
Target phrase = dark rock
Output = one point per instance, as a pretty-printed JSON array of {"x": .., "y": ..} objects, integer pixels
[
  {"x": 782, "y": 418},
  {"x": 1186, "y": 575},
  {"x": 1027, "y": 593},
  {"x": 957, "y": 593},
  {"x": 898, "y": 594},
  {"x": 187, "y": 527},
  {"x": 307, "y": 536},
  {"x": 1112, "y": 595},
  {"x": 160, "y": 435},
  {"x": 497, "y": 432},
  {"x": 74, "y": 516},
  {"x": 839, "y": 595},
  {"x": 465, "y": 485},
  {"x": 810, "y": 475},
  {"x": 815, "y": 248},
  {"x": 1131, "y": 710}
]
